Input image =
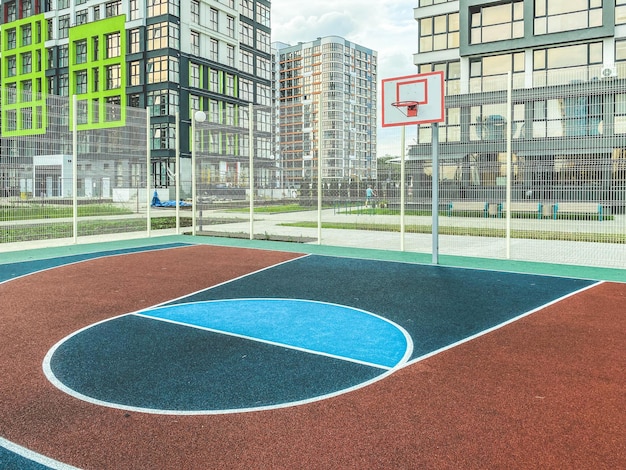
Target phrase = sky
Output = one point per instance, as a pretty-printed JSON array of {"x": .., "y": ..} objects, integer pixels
[{"x": 386, "y": 26}]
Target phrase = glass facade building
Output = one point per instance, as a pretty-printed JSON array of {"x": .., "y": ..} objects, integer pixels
[{"x": 565, "y": 62}]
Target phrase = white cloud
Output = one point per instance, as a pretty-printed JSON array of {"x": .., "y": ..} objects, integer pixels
[{"x": 385, "y": 26}]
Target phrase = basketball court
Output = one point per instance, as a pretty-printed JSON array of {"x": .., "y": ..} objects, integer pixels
[{"x": 192, "y": 355}]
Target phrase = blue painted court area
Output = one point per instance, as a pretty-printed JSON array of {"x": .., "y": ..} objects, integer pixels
[
  {"x": 227, "y": 355},
  {"x": 320, "y": 328}
]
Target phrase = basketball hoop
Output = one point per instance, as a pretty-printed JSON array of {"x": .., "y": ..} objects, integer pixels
[{"x": 408, "y": 108}]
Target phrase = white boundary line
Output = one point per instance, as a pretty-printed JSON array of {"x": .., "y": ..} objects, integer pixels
[
  {"x": 500, "y": 325},
  {"x": 137, "y": 251},
  {"x": 388, "y": 371},
  {"x": 34, "y": 456}
]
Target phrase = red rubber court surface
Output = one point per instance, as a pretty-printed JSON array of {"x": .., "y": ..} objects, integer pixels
[{"x": 546, "y": 391}]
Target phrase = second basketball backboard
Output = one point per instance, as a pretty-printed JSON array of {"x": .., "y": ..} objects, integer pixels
[{"x": 413, "y": 99}]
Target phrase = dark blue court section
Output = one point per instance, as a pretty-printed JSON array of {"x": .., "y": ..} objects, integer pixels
[
  {"x": 437, "y": 305},
  {"x": 11, "y": 461},
  {"x": 13, "y": 270},
  {"x": 139, "y": 362}
]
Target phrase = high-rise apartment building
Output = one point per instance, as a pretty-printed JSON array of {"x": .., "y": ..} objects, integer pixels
[
  {"x": 327, "y": 110},
  {"x": 170, "y": 56},
  {"x": 567, "y": 63}
]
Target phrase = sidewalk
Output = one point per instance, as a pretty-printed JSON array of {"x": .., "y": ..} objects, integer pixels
[{"x": 545, "y": 251}]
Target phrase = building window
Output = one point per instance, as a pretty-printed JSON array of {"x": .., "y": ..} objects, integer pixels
[
  {"x": 82, "y": 111},
  {"x": 246, "y": 90},
  {"x": 96, "y": 47},
  {"x": 96, "y": 13},
  {"x": 427, "y": 3},
  {"x": 162, "y": 102},
  {"x": 113, "y": 74},
  {"x": 113, "y": 8},
  {"x": 95, "y": 76},
  {"x": 229, "y": 85},
  {"x": 555, "y": 16},
  {"x": 157, "y": 70},
  {"x": 214, "y": 83},
  {"x": 11, "y": 66},
  {"x": 247, "y": 8},
  {"x": 64, "y": 56},
  {"x": 489, "y": 73},
  {"x": 11, "y": 93},
  {"x": 134, "y": 9},
  {"x": 27, "y": 35},
  {"x": 497, "y": 22},
  {"x": 571, "y": 61},
  {"x": 213, "y": 50},
  {"x": 11, "y": 38},
  {"x": 620, "y": 11},
  {"x": 113, "y": 108},
  {"x": 264, "y": 95},
  {"x": 263, "y": 14},
  {"x": 11, "y": 12},
  {"x": 195, "y": 43},
  {"x": 64, "y": 26},
  {"x": 247, "y": 62},
  {"x": 134, "y": 41},
  {"x": 230, "y": 26},
  {"x": 163, "y": 136},
  {"x": 162, "y": 35},
  {"x": 263, "y": 68},
  {"x": 194, "y": 75},
  {"x": 113, "y": 45},
  {"x": 195, "y": 11},
  {"x": 213, "y": 19},
  {"x": 247, "y": 34},
  {"x": 452, "y": 74},
  {"x": 81, "y": 82},
  {"x": 263, "y": 41},
  {"x": 439, "y": 33},
  {"x": 135, "y": 73},
  {"x": 27, "y": 62},
  {"x": 157, "y": 36},
  {"x": 163, "y": 7},
  {"x": 194, "y": 104},
  {"x": 230, "y": 55},
  {"x": 82, "y": 17},
  {"x": 162, "y": 69},
  {"x": 81, "y": 51},
  {"x": 64, "y": 85}
]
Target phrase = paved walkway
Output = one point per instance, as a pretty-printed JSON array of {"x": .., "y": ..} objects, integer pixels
[
  {"x": 561, "y": 252},
  {"x": 272, "y": 226}
]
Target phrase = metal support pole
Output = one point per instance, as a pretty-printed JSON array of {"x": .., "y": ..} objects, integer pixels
[
  {"x": 509, "y": 115},
  {"x": 148, "y": 174},
  {"x": 75, "y": 168},
  {"x": 402, "y": 185},
  {"x": 194, "y": 204},
  {"x": 319, "y": 173},
  {"x": 177, "y": 175},
  {"x": 435, "y": 195},
  {"x": 251, "y": 165}
]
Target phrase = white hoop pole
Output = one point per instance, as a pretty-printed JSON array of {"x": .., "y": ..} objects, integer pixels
[{"x": 435, "y": 195}]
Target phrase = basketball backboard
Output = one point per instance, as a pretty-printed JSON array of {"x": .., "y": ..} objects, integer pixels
[{"x": 413, "y": 99}]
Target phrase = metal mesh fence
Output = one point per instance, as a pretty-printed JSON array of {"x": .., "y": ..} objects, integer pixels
[
  {"x": 59, "y": 180},
  {"x": 537, "y": 173}
]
